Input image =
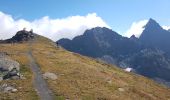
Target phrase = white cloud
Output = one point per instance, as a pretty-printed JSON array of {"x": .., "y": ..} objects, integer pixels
[
  {"x": 54, "y": 29},
  {"x": 166, "y": 27},
  {"x": 136, "y": 28}
]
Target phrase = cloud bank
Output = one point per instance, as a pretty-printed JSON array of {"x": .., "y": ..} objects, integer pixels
[
  {"x": 166, "y": 27},
  {"x": 54, "y": 29},
  {"x": 136, "y": 28}
]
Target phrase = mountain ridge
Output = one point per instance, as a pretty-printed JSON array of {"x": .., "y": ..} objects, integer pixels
[{"x": 113, "y": 48}]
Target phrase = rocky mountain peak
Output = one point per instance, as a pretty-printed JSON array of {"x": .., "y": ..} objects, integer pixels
[
  {"x": 152, "y": 24},
  {"x": 152, "y": 31},
  {"x": 133, "y": 37},
  {"x": 22, "y": 35}
]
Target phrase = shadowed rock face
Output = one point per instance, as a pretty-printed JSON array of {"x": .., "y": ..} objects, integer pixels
[
  {"x": 151, "y": 63},
  {"x": 98, "y": 42},
  {"x": 155, "y": 36}
]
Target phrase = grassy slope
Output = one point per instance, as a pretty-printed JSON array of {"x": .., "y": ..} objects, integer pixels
[
  {"x": 79, "y": 77},
  {"x": 84, "y": 78},
  {"x": 25, "y": 87}
]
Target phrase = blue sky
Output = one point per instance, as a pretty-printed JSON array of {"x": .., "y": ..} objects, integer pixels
[{"x": 118, "y": 14}]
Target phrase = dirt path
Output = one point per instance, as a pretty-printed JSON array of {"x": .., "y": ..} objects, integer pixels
[{"x": 39, "y": 83}]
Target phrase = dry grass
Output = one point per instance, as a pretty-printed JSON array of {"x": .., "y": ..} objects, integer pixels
[
  {"x": 84, "y": 78},
  {"x": 25, "y": 87}
]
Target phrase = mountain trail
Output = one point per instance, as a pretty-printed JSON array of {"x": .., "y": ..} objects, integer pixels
[{"x": 39, "y": 83}]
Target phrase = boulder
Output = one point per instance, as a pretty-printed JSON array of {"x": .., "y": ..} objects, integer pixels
[
  {"x": 15, "y": 77},
  {"x": 7, "y": 88},
  {"x": 121, "y": 89},
  {"x": 8, "y": 64},
  {"x": 9, "y": 68},
  {"x": 14, "y": 90},
  {"x": 49, "y": 75}
]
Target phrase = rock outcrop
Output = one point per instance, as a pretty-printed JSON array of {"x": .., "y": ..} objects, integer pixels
[
  {"x": 21, "y": 36},
  {"x": 8, "y": 68}
]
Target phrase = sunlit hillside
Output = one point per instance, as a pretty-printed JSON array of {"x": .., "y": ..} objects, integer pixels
[{"x": 78, "y": 77}]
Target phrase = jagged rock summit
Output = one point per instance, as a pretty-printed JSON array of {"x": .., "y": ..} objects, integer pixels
[
  {"x": 155, "y": 36},
  {"x": 22, "y": 36}
]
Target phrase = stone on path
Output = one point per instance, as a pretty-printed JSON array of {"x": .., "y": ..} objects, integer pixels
[{"x": 49, "y": 75}]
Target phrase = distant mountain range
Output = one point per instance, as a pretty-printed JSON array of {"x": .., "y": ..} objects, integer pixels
[{"x": 147, "y": 55}]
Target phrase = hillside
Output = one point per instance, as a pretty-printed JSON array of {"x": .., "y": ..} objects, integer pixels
[{"x": 78, "y": 77}]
